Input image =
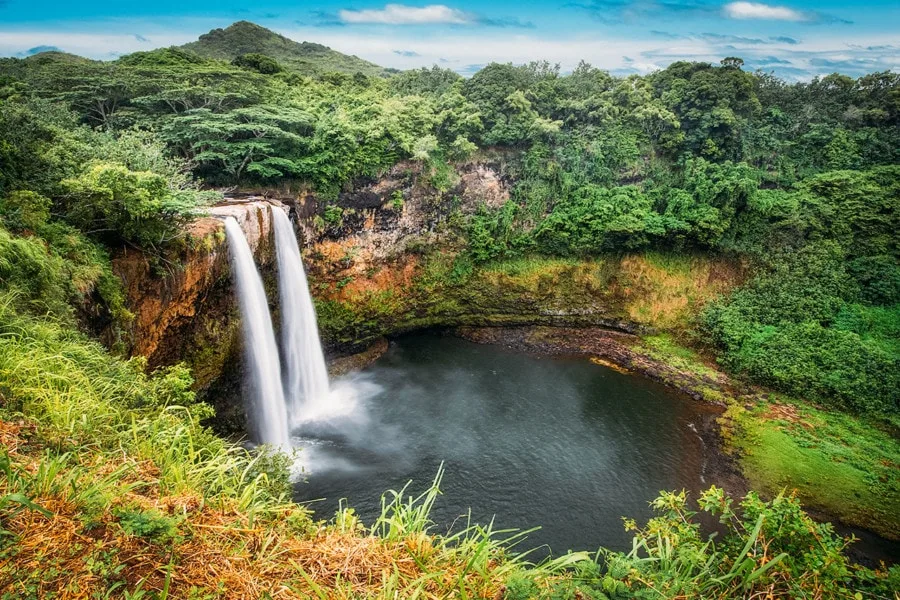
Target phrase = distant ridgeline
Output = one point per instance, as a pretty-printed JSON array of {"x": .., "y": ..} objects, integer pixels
[
  {"x": 799, "y": 180},
  {"x": 245, "y": 38}
]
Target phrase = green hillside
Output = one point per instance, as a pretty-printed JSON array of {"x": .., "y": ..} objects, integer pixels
[{"x": 308, "y": 58}]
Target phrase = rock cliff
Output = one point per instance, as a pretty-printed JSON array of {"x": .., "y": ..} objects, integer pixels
[{"x": 184, "y": 310}]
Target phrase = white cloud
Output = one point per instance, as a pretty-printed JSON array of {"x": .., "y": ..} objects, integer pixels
[
  {"x": 400, "y": 14},
  {"x": 464, "y": 48},
  {"x": 758, "y": 10},
  {"x": 815, "y": 55}
]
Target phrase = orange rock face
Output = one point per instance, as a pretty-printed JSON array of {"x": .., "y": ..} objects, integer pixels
[{"x": 182, "y": 308}]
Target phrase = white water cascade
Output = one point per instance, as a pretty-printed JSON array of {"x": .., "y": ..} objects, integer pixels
[
  {"x": 266, "y": 408},
  {"x": 306, "y": 385}
]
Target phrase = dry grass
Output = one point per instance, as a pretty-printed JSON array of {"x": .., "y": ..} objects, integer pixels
[
  {"x": 782, "y": 412},
  {"x": 609, "y": 364},
  {"x": 665, "y": 291},
  {"x": 217, "y": 551},
  {"x": 530, "y": 273},
  {"x": 216, "y": 556}
]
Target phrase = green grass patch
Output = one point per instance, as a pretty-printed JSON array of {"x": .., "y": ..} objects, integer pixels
[
  {"x": 841, "y": 464},
  {"x": 664, "y": 347},
  {"x": 676, "y": 264},
  {"x": 705, "y": 379}
]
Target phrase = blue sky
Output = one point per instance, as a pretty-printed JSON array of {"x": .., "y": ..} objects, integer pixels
[{"x": 797, "y": 39}]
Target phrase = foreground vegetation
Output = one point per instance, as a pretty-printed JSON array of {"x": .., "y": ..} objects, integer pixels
[
  {"x": 839, "y": 464},
  {"x": 111, "y": 485}
]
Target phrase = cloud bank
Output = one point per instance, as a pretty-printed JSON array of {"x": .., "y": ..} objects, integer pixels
[
  {"x": 465, "y": 48},
  {"x": 400, "y": 14},
  {"x": 757, "y": 10}
]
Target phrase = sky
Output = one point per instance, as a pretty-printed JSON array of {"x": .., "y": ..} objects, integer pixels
[{"x": 795, "y": 39}]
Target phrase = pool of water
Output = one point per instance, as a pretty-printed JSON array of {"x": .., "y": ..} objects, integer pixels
[{"x": 525, "y": 441}]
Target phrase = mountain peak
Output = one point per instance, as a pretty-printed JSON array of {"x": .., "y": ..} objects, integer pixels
[
  {"x": 308, "y": 58},
  {"x": 242, "y": 28}
]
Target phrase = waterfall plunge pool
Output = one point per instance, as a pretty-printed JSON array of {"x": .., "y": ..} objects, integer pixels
[{"x": 527, "y": 441}]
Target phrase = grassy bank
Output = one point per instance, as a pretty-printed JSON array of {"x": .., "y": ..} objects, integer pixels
[{"x": 843, "y": 465}]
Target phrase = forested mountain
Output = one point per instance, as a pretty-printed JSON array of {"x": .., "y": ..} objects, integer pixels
[{"x": 245, "y": 38}]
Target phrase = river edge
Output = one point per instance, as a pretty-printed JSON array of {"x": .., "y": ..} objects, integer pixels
[{"x": 702, "y": 383}]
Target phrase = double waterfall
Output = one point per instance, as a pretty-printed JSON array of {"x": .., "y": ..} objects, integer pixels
[{"x": 277, "y": 402}]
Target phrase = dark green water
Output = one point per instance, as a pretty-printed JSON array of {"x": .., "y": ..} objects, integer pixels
[{"x": 527, "y": 441}]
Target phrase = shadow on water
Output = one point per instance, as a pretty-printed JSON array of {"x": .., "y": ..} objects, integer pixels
[{"x": 526, "y": 441}]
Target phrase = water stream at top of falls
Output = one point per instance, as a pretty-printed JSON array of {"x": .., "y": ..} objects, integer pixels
[
  {"x": 266, "y": 407},
  {"x": 306, "y": 385}
]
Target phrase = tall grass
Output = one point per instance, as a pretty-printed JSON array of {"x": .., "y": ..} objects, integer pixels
[
  {"x": 85, "y": 399},
  {"x": 94, "y": 443}
]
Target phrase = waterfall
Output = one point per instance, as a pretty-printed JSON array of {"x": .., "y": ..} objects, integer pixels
[
  {"x": 264, "y": 394},
  {"x": 306, "y": 377}
]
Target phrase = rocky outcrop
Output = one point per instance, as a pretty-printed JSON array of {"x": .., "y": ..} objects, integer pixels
[
  {"x": 365, "y": 244},
  {"x": 366, "y": 258},
  {"x": 380, "y": 218},
  {"x": 381, "y": 260},
  {"x": 184, "y": 308}
]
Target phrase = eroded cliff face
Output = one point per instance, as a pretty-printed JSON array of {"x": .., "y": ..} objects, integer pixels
[
  {"x": 184, "y": 309},
  {"x": 388, "y": 265},
  {"x": 405, "y": 209}
]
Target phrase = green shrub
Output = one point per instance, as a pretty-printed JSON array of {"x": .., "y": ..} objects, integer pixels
[
  {"x": 122, "y": 205},
  {"x": 597, "y": 219},
  {"x": 795, "y": 328},
  {"x": 39, "y": 146},
  {"x": 333, "y": 215},
  {"x": 397, "y": 200},
  {"x": 24, "y": 211},
  {"x": 821, "y": 363},
  {"x": 150, "y": 524},
  {"x": 258, "y": 62},
  {"x": 59, "y": 272},
  {"x": 36, "y": 277},
  {"x": 491, "y": 233},
  {"x": 878, "y": 278},
  {"x": 771, "y": 548}
]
